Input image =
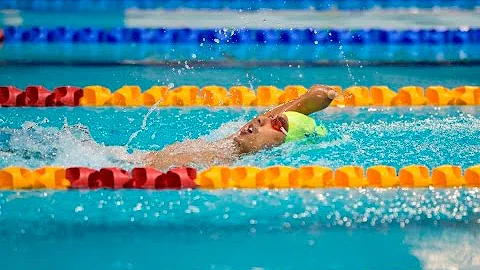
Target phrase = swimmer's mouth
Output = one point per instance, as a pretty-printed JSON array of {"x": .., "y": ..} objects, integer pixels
[{"x": 280, "y": 123}]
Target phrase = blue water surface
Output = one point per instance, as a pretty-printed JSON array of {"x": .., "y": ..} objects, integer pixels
[
  {"x": 233, "y": 229},
  {"x": 115, "y": 77},
  {"x": 397, "y": 137},
  {"x": 240, "y": 229}
]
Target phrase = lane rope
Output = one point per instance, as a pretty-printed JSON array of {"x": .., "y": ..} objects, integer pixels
[
  {"x": 213, "y": 95},
  {"x": 381, "y": 176},
  {"x": 104, "y": 5},
  {"x": 63, "y": 34}
]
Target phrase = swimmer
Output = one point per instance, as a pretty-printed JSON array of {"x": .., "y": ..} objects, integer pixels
[{"x": 284, "y": 123}]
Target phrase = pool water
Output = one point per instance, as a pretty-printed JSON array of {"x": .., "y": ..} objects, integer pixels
[
  {"x": 392, "y": 228},
  {"x": 233, "y": 229},
  {"x": 357, "y": 136},
  {"x": 116, "y": 76},
  {"x": 241, "y": 229}
]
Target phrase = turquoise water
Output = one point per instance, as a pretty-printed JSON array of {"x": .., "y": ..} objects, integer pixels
[
  {"x": 145, "y": 76},
  {"x": 237, "y": 229},
  {"x": 316, "y": 229},
  {"x": 240, "y": 229},
  {"x": 366, "y": 137},
  {"x": 241, "y": 55}
]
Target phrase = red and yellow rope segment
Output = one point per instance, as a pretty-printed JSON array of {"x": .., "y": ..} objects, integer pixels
[
  {"x": 213, "y": 95},
  {"x": 380, "y": 176}
]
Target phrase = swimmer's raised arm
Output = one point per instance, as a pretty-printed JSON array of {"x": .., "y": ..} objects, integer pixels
[{"x": 316, "y": 99}]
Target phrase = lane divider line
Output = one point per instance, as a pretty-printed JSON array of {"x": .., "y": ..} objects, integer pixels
[
  {"x": 213, "y": 95},
  {"x": 218, "y": 177}
]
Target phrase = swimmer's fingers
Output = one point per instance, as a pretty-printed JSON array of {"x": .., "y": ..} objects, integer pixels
[{"x": 322, "y": 90}]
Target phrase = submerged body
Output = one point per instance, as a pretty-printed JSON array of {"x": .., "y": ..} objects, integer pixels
[{"x": 267, "y": 130}]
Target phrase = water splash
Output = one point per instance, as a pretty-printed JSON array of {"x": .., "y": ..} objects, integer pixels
[
  {"x": 144, "y": 122},
  {"x": 456, "y": 249},
  {"x": 395, "y": 137},
  {"x": 35, "y": 146}
]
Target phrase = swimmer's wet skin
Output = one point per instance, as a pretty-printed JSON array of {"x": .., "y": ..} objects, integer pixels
[{"x": 284, "y": 123}]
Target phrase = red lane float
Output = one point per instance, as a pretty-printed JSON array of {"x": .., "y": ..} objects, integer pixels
[
  {"x": 180, "y": 178},
  {"x": 10, "y": 95},
  {"x": 80, "y": 177},
  {"x": 67, "y": 95},
  {"x": 147, "y": 178},
  {"x": 38, "y": 96},
  {"x": 144, "y": 178},
  {"x": 112, "y": 178},
  {"x": 176, "y": 178}
]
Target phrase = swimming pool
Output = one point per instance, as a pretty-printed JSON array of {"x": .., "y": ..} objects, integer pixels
[
  {"x": 335, "y": 228},
  {"x": 422, "y": 228}
]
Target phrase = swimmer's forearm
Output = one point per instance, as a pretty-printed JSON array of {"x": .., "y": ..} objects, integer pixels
[{"x": 316, "y": 99}]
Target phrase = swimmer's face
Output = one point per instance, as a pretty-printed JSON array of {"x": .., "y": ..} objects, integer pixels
[{"x": 262, "y": 132}]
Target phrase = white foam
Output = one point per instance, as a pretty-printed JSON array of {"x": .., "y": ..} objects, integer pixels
[
  {"x": 33, "y": 146},
  {"x": 453, "y": 250}
]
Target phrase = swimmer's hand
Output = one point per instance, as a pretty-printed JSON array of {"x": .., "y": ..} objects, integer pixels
[
  {"x": 322, "y": 90},
  {"x": 316, "y": 99}
]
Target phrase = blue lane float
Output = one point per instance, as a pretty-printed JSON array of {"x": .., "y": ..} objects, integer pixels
[
  {"x": 103, "y": 5},
  {"x": 240, "y": 36}
]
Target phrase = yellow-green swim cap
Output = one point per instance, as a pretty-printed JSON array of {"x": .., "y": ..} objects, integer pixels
[{"x": 301, "y": 126}]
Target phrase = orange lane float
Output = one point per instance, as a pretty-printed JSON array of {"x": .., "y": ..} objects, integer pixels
[
  {"x": 186, "y": 95},
  {"x": 356, "y": 96},
  {"x": 155, "y": 95},
  {"x": 349, "y": 176},
  {"x": 96, "y": 95},
  {"x": 472, "y": 176},
  {"x": 241, "y": 96},
  {"x": 16, "y": 178},
  {"x": 313, "y": 176},
  {"x": 339, "y": 101},
  {"x": 215, "y": 177},
  {"x": 128, "y": 95},
  {"x": 439, "y": 96},
  {"x": 414, "y": 176},
  {"x": 467, "y": 95},
  {"x": 381, "y": 95},
  {"x": 382, "y": 176},
  {"x": 447, "y": 176},
  {"x": 292, "y": 92},
  {"x": 50, "y": 177},
  {"x": 410, "y": 96},
  {"x": 218, "y": 177},
  {"x": 268, "y": 95},
  {"x": 213, "y": 95},
  {"x": 277, "y": 177},
  {"x": 244, "y": 177}
]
